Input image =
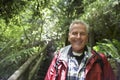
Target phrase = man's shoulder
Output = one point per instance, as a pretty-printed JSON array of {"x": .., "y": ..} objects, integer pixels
[
  {"x": 65, "y": 49},
  {"x": 100, "y": 56}
]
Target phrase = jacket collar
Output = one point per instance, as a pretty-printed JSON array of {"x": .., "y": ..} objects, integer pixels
[{"x": 63, "y": 55}]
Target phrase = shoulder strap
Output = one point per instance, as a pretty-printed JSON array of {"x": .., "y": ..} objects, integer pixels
[{"x": 99, "y": 60}]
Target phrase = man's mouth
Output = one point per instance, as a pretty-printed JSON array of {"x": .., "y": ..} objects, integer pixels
[{"x": 78, "y": 42}]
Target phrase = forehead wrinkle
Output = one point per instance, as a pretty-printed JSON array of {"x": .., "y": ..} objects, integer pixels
[
  {"x": 76, "y": 26},
  {"x": 79, "y": 22}
]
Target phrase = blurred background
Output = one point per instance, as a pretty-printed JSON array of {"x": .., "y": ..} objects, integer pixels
[{"x": 32, "y": 30}]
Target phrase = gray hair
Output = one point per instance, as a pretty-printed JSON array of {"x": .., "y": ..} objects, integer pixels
[{"x": 79, "y": 22}]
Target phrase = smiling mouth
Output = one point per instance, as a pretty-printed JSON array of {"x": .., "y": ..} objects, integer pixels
[{"x": 78, "y": 42}]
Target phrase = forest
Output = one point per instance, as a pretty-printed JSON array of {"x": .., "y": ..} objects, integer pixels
[{"x": 37, "y": 28}]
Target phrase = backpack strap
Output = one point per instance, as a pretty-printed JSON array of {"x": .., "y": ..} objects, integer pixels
[{"x": 99, "y": 60}]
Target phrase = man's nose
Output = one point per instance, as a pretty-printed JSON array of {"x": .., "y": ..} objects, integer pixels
[{"x": 78, "y": 35}]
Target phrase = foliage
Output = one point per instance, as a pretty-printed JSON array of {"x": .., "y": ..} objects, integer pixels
[
  {"x": 23, "y": 35},
  {"x": 27, "y": 25},
  {"x": 8, "y": 9},
  {"x": 110, "y": 48},
  {"x": 103, "y": 16}
]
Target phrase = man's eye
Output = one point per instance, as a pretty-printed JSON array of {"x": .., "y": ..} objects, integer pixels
[
  {"x": 82, "y": 33},
  {"x": 74, "y": 33}
]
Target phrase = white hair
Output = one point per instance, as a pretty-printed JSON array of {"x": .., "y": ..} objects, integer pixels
[{"x": 79, "y": 22}]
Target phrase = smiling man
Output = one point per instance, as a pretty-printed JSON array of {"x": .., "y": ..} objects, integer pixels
[
  {"x": 77, "y": 61},
  {"x": 78, "y": 36}
]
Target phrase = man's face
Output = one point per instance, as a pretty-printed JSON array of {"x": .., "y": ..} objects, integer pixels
[{"x": 78, "y": 37}]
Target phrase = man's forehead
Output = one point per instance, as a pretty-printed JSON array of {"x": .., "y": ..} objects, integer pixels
[{"x": 78, "y": 26}]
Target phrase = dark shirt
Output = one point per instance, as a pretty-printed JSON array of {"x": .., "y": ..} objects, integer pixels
[{"x": 78, "y": 58}]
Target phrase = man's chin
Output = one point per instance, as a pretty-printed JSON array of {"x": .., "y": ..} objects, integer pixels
[{"x": 77, "y": 49}]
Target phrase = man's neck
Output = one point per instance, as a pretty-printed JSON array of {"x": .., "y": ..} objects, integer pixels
[{"x": 77, "y": 54}]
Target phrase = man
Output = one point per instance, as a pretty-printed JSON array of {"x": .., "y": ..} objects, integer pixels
[{"x": 77, "y": 61}]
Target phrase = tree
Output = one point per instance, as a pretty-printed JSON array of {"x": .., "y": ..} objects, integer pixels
[{"x": 103, "y": 17}]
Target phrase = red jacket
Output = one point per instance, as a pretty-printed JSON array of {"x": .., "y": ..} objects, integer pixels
[{"x": 93, "y": 69}]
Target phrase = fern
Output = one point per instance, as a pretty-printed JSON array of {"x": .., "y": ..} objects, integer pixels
[{"x": 109, "y": 48}]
